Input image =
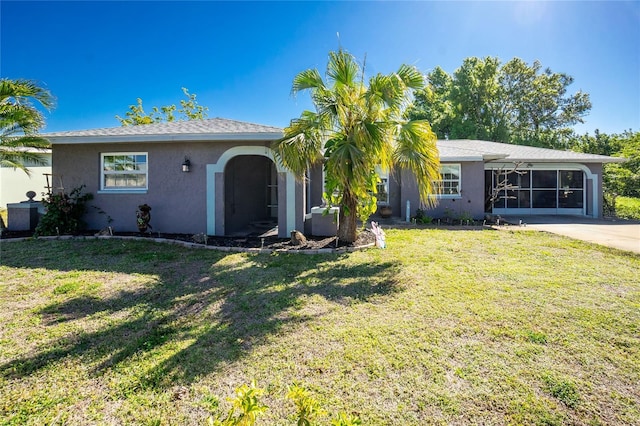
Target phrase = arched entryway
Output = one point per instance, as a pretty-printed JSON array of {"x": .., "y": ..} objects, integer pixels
[
  {"x": 288, "y": 209},
  {"x": 250, "y": 195}
]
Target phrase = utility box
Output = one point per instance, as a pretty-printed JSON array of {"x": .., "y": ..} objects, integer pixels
[
  {"x": 22, "y": 216},
  {"x": 324, "y": 225}
]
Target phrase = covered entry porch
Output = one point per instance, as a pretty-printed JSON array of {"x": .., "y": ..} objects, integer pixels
[{"x": 247, "y": 188}]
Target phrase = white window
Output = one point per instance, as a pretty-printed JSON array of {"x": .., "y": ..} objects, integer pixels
[
  {"x": 450, "y": 182},
  {"x": 124, "y": 171},
  {"x": 382, "y": 187}
]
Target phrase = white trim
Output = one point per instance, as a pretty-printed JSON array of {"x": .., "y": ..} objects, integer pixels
[
  {"x": 124, "y": 189},
  {"x": 588, "y": 175},
  {"x": 451, "y": 196},
  {"x": 384, "y": 180},
  {"x": 219, "y": 166}
]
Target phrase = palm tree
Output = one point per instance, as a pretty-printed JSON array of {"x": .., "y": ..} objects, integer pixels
[
  {"x": 354, "y": 129},
  {"x": 20, "y": 122}
]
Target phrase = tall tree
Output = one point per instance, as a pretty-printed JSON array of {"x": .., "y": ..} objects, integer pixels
[
  {"x": 619, "y": 178},
  {"x": 189, "y": 110},
  {"x": 20, "y": 121},
  {"x": 513, "y": 103},
  {"x": 355, "y": 127}
]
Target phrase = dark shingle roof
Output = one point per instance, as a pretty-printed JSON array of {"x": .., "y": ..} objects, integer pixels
[
  {"x": 495, "y": 151},
  {"x": 219, "y": 127},
  {"x": 224, "y": 129}
]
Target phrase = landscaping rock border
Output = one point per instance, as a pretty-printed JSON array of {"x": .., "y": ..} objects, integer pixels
[{"x": 255, "y": 250}]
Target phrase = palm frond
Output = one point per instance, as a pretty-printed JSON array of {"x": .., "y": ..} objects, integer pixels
[
  {"x": 342, "y": 68},
  {"x": 22, "y": 92},
  {"x": 26, "y": 142},
  {"x": 302, "y": 143},
  {"x": 411, "y": 77},
  {"x": 416, "y": 151},
  {"x": 18, "y": 159},
  {"x": 307, "y": 80}
]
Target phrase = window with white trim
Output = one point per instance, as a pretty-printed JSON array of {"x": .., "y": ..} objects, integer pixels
[
  {"x": 450, "y": 180},
  {"x": 382, "y": 187},
  {"x": 382, "y": 194},
  {"x": 124, "y": 171}
]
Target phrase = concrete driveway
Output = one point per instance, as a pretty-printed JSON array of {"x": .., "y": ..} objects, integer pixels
[{"x": 618, "y": 233}]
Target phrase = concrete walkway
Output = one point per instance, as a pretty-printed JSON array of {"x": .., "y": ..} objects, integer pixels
[{"x": 618, "y": 233}]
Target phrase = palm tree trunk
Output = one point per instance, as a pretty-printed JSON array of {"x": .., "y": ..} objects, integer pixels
[{"x": 348, "y": 224}]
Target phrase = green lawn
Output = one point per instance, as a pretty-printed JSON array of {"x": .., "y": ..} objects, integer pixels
[
  {"x": 628, "y": 207},
  {"x": 462, "y": 327}
]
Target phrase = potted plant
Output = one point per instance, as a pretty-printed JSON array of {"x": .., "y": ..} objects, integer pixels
[
  {"x": 143, "y": 216},
  {"x": 385, "y": 211}
]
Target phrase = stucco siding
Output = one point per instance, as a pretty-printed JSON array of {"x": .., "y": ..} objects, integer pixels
[
  {"x": 178, "y": 199},
  {"x": 469, "y": 203}
]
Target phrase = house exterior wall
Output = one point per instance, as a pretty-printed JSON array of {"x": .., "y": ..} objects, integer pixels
[
  {"x": 316, "y": 187},
  {"x": 395, "y": 193},
  {"x": 470, "y": 202},
  {"x": 178, "y": 199},
  {"x": 15, "y": 183}
]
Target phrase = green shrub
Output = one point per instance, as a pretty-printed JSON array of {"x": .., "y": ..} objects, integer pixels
[
  {"x": 628, "y": 207},
  {"x": 64, "y": 213},
  {"x": 422, "y": 217}
]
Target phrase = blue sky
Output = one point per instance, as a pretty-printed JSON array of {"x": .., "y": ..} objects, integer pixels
[{"x": 240, "y": 57}]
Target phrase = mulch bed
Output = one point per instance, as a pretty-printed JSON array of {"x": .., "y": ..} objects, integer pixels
[{"x": 273, "y": 243}]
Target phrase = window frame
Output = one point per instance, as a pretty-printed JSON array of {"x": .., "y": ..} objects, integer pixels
[
  {"x": 384, "y": 182},
  {"x": 123, "y": 189},
  {"x": 442, "y": 180}
]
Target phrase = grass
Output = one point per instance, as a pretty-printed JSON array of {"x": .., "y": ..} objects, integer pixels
[
  {"x": 464, "y": 327},
  {"x": 628, "y": 207}
]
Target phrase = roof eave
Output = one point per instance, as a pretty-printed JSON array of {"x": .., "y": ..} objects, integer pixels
[
  {"x": 182, "y": 137},
  {"x": 457, "y": 158},
  {"x": 602, "y": 160}
]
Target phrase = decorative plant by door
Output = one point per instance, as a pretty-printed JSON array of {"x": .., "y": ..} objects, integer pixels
[{"x": 143, "y": 217}]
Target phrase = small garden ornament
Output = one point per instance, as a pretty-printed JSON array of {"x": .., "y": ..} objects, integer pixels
[
  {"x": 143, "y": 217},
  {"x": 379, "y": 234}
]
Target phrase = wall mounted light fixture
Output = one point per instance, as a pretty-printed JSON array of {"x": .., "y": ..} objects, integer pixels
[{"x": 186, "y": 165}]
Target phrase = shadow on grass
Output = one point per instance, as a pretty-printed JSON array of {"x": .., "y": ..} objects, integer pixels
[{"x": 205, "y": 308}]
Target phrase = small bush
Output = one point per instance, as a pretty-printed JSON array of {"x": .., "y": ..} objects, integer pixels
[
  {"x": 422, "y": 217},
  {"x": 64, "y": 213}
]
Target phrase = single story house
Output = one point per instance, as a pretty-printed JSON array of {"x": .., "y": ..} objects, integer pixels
[{"x": 219, "y": 177}]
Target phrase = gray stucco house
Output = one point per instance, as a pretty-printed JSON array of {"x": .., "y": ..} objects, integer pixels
[{"x": 233, "y": 182}]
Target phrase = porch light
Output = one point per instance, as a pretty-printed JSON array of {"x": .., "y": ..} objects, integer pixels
[{"x": 186, "y": 165}]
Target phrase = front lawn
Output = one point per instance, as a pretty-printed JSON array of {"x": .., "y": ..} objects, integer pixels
[{"x": 463, "y": 327}]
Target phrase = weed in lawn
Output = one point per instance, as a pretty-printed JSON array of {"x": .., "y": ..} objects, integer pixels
[
  {"x": 536, "y": 337},
  {"x": 563, "y": 389}
]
